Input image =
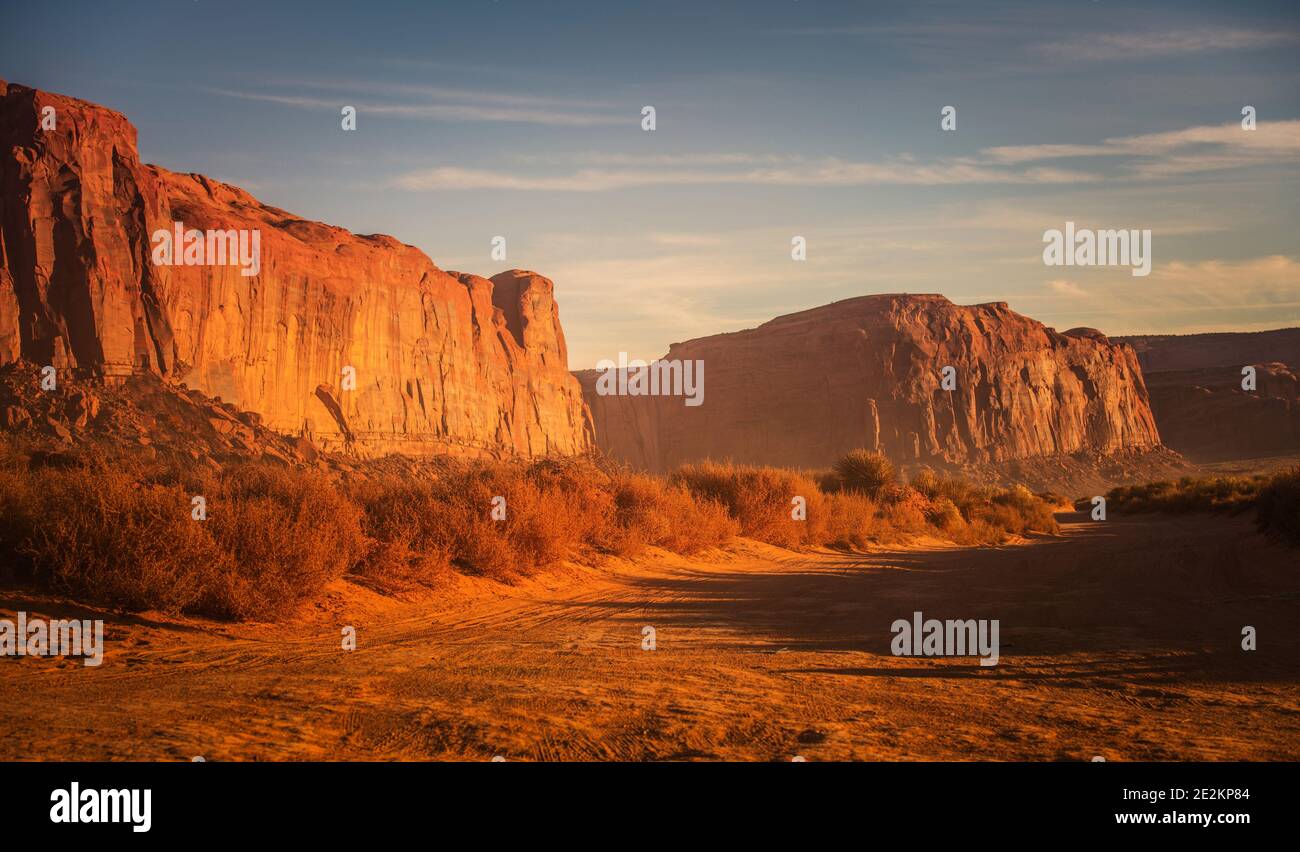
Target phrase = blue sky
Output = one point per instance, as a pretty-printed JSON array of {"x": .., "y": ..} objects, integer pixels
[{"x": 774, "y": 119}]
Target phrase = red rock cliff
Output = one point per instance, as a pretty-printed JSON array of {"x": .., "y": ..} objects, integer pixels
[
  {"x": 803, "y": 389},
  {"x": 1202, "y": 409},
  {"x": 443, "y": 362}
]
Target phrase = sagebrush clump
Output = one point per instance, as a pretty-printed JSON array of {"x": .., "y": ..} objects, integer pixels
[{"x": 120, "y": 532}]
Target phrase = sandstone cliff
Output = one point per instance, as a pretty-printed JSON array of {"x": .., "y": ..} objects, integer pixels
[
  {"x": 1160, "y": 352},
  {"x": 1198, "y": 400},
  {"x": 803, "y": 389},
  {"x": 443, "y": 362}
]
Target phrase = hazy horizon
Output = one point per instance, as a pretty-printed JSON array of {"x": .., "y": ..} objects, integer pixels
[{"x": 820, "y": 120}]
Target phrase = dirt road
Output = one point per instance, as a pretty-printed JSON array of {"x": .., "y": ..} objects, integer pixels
[{"x": 1120, "y": 639}]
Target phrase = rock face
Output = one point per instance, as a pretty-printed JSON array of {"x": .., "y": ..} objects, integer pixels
[
  {"x": 1195, "y": 381},
  {"x": 442, "y": 362},
  {"x": 1158, "y": 353},
  {"x": 801, "y": 390}
]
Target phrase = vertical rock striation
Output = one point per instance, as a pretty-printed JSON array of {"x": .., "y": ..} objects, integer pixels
[
  {"x": 443, "y": 362},
  {"x": 1196, "y": 389},
  {"x": 803, "y": 389}
]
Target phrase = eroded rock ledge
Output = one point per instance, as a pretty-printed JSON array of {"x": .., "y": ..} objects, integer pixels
[
  {"x": 803, "y": 389},
  {"x": 443, "y": 362}
]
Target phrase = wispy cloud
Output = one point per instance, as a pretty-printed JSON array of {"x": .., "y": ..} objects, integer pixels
[
  {"x": 1271, "y": 137},
  {"x": 433, "y": 103},
  {"x": 1191, "y": 149},
  {"x": 822, "y": 172},
  {"x": 675, "y": 285},
  {"x": 1099, "y": 47},
  {"x": 1155, "y": 155},
  {"x": 1066, "y": 288},
  {"x": 707, "y": 158},
  {"x": 447, "y": 93},
  {"x": 1177, "y": 297}
]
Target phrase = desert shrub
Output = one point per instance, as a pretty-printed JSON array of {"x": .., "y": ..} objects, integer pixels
[
  {"x": 972, "y": 514},
  {"x": 926, "y": 482},
  {"x": 852, "y": 520},
  {"x": 405, "y": 522},
  {"x": 828, "y": 481},
  {"x": 1057, "y": 501},
  {"x": 430, "y": 524},
  {"x": 554, "y": 510},
  {"x": 1018, "y": 510},
  {"x": 905, "y": 517},
  {"x": 1276, "y": 499},
  {"x": 545, "y": 522},
  {"x": 1278, "y": 506},
  {"x": 650, "y": 511},
  {"x": 976, "y": 532},
  {"x": 865, "y": 472},
  {"x": 945, "y": 515},
  {"x": 981, "y": 522},
  {"x": 962, "y": 493},
  {"x": 119, "y": 532},
  {"x": 273, "y": 538},
  {"x": 949, "y": 507},
  {"x": 96, "y": 534},
  {"x": 1188, "y": 494},
  {"x": 287, "y": 533},
  {"x": 760, "y": 499},
  {"x": 1002, "y": 517}
]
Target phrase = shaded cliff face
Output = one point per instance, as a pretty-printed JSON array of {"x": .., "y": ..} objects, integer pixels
[
  {"x": 804, "y": 389},
  {"x": 443, "y": 362},
  {"x": 1160, "y": 352},
  {"x": 1200, "y": 405}
]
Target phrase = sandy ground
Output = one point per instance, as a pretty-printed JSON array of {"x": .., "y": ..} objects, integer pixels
[{"x": 1119, "y": 639}]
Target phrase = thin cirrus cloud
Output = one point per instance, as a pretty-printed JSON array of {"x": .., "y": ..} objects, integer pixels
[
  {"x": 1155, "y": 155},
  {"x": 1097, "y": 47},
  {"x": 603, "y": 158},
  {"x": 946, "y": 38},
  {"x": 1275, "y": 139},
  {"x": 824, "y": 172},
  {"x": 1180, "y": 152},
  {"x": 435, "y": 93},
  {"x": 443, "y": 104}
]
